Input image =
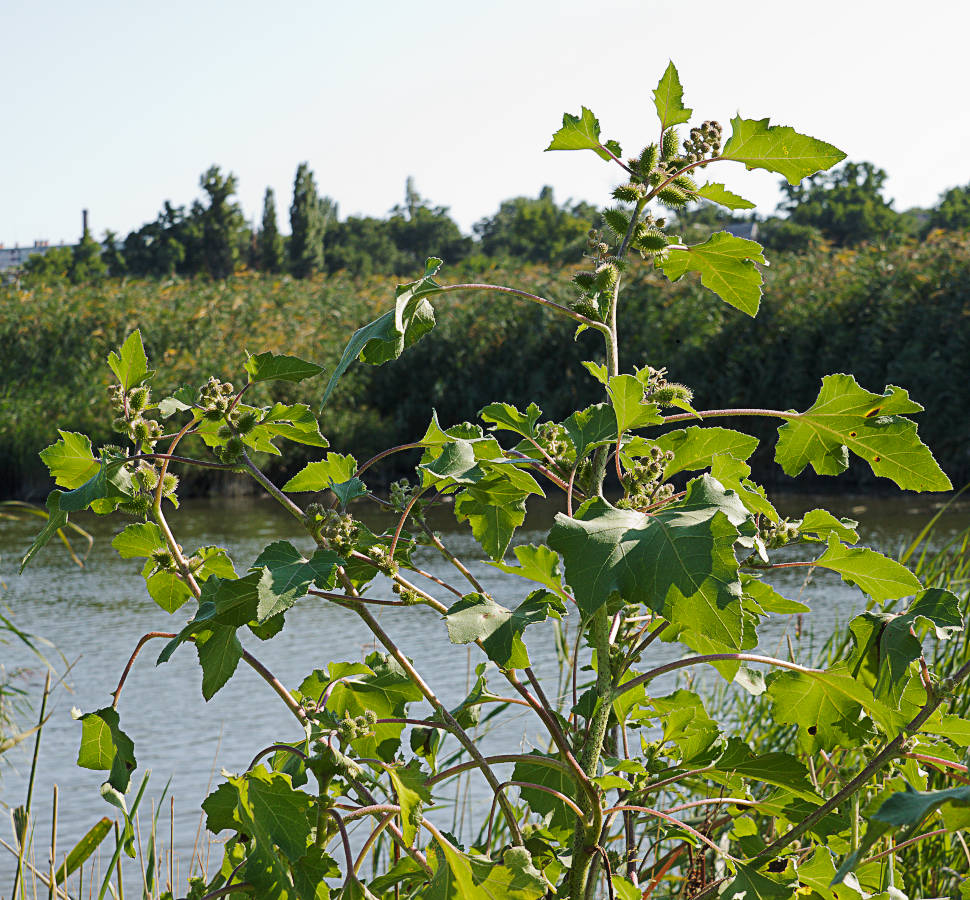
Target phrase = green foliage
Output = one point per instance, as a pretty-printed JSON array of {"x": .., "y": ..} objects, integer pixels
[
  {"x": 952, "y": 213},
  {"x": 677, "y": 559},
  {"x": 845, "y": 205},
  {"x": 309, "y": 214},
  {"x": 270, "y": 239}
]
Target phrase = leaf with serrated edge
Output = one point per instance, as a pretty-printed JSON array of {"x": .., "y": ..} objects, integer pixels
[
  {"x": 273, "y": 367},
  {"x": 668, "y": 98},
  {"x": 778, "y": 148},
  {"x": 139, "y": 539},
  {"x": 877, "y": 575},
  {"x": 726, "y": 264},
  {"x": 630, "y": 409},
  {"x": 316, "y": 476},
  {"x": 679, "y": 562},
  {"x": 105, "y": 746},
  {"x": 717, "y": 193},
  {"x": 580, "y": 132},
  {"x": 411, "y": 790},
  {"x": 847, "y": 417},
  {"x": 219, "y": 653},
  {"x": 505, "y": 417},
  {"x": 130, "y": 364},
  {"x": 695, "y": 447},
  {"x": 56, "y": 519},
  {"x": 71, "y": 460},
  {"x": 537, "y": 563}
]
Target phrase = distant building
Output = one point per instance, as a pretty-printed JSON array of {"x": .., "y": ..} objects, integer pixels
[
  {"x": 748, "y": 230},
  {"x": 14, "y": 257}
]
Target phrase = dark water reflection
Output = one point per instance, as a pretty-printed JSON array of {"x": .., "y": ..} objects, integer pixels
[{"x": 95, "y": 616}]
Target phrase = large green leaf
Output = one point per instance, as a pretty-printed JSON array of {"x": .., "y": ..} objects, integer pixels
[
  {"x": 110, "y": 485},
  {"x": 130, "y": 363},
  {"x": 506, "y": 417},
  {"x": 904, "y": 809},
  {"x": 105, "y": 746},
  {"x": 686, "y": 724},
  {"x": 695, "y": 447},
  {"x": 219, "y": 653},
  {"x": 285, "y": 576},
  {"x": 669, "y": 99},
  {"x": 495, "y": 507},
  {"x": 817, "y": 873},
  {"x": 56, "y": 519},
  {"x": 825, "y": 706},
  {"x": 167, "y": 589},
  {"x": 776, "y": 768},
  {"x": 276, "y": 367},
  {"x": 390, "y": 335},
  {"x": 581, "y": 132},
  {"x": 679, "y": 562},
  {"x": 877, "y": 575},
  {"x": 778, "y": 148},
  {"x": 542, "y": 802},
  {"x": 318, "y": 476},
  {"x": 479, "y": 618},
  {"x": 139, "y": 539},
  {"x": 591, "y": 427},
  {"x": 726, "y": 265},
  {"x": 537, "y": 563},
  {"x": 750, "y": 884},
  {"x": 411, "y": 790},
  {"x": 461, "y": 876},
  {"x": 717, "y": 193},
  {"x": 847, "y": 417},
  {"x": 631, "y": 411},
  {"x": 70, "y": 460}
]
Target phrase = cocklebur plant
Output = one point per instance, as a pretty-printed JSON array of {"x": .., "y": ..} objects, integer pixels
[{"x": 637, "y": 793}]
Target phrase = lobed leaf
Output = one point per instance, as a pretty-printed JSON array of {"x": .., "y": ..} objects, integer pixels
[
  {"x": 130, "y": 363},
  {"x": 717, "y": 193},
  {"x": 668, "y": 98},
  {"x": 278, "y": 367},
  {"x": 726, "y": 265},
  {"x": 70, "y": 460},
  {"x": 580, "y": 132},
  {"x": 778, "y": 148},
  {"x": 847, "y": 417}
]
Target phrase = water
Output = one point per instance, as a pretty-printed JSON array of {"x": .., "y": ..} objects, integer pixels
[{"x": 95, "y": 616}]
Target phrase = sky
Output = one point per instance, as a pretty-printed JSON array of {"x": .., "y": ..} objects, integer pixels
[{"x": 118, "y": 106}]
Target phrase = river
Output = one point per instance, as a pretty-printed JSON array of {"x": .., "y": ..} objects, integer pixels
[{"x": 95, "y": 615}]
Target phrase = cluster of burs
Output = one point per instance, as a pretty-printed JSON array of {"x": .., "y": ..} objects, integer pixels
[{"x": 216, "y": 399}]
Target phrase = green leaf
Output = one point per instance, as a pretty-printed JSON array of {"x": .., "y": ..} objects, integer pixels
[
  {"x": 219, "y": 653},
  {"x": 630, "y": 409},
  {"x": 679, "y": 562},
  {"x": 390, "y": 335},
  {"x": 479, "y": 618},
  {"x": 272, "y": 367},
  {"x": 877, "y": 575},
  {"x": 112, "y": 482},
  {"x": 580, "y": 132},
  {"x": 140, "y": 539},
  {"x": 824, "y": 705},
  {"x": 726, "y": 265},
  {"x": 590, "y": 427},
  {"x": 495, "y": 507},
  {"x": 280, "y": 811},
  {"x": 105, "y": 746},
  {"x": 717, "y": 193},
  {"x": 686, "y": 724},
  {"x": 733, "y": 474},
  {"x": 456, "y": 463},
  {"x": 695, "y": 447},
  {"x": 749, "y": 884},
  {"x": 410, "y": 786},
  {"x": 56, "y": 519},
  {"x": 768, "y": 599},
  {"x": 317, "y": 476},
  {"x": 506, "y": 417},
  {"x": 818, "y": 873},
  {"x": 167, "y": 590},
  {"x": 778, "y": 148},
  {"x": 776, "y": 768},
  {"x": 285, "y": 576},
  {"x": 669, "y": 99},
  {"x": 846, "y": 417},
  {"x": 537, "y": 563},
  {"x": 81, "y": 852},
  {"x": 130, "y": 364},
  {"x": 70, "y": 460},
  {"x": 294, "y": 422},
  {"x": 349, "y": 490},
  {"x": 904, "y": 809},
  {"x": 823, "y": 524},
  {"x": 551, "y": 777}
]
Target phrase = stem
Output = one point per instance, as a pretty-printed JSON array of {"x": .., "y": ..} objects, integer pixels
[
  {"x": 454, "y": 560},
  {"x": 379, "y": 456},
  {"x": 446, "y": 716},
  {"x": 676, "y": 822},
  {"x": 538, "y": 787},
  {"x": 525, "y": 295},
  {"x": 273, "y": 490},
  {"x": 168, "y": 457},
  {"x": 275, "y": 684},
  {"x": 275, "y": 748},
  {"x": 720, "y": 413},
  {"x": 371, "y": 838},
  {"x": 144, "y": 639},
  {"x": 585, "y": 839},
  {"x": 897, "y": 847}
]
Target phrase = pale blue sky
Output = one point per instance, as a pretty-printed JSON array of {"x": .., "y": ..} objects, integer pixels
[{"x": 117, "y": 106}]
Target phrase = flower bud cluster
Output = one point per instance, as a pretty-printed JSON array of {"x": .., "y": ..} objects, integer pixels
[
  {"x": 777, "y": 534},
  {"x": 704, "y": 141},
  {"x": 643, "y": 482},
  {"x": 553, "y": 438},
  {"x": 400, "y": 496},
  {"x": 215, "y": 397},
  {"x": 657, "y": 389},
  {"x": 352, "y": 728},
  {"x": 386, "y": 564},
  {"x": 339, "y": 530},
  {"x": 409, "y": 596},
  {"x": 129, "y": 421}
]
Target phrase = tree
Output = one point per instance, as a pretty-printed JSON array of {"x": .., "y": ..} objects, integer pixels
[
  {"x": 112, "y": 256},
  {"x": 222, "y": 222},
  {"x": 952, "y": 213},
  {"x": 86, "y": 262},
  {"x": 846, "y": 205},
  {"x": 309, "y": 214},
  {"x": 537, "y": 230},
  {"x": 270, "y": 240},
  {"x": 419, "y": 230},
  {"x": 362, "y": 245},
  {"x": 45, "y": 268}
]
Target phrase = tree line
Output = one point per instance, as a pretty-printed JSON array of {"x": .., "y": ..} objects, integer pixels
[{"x": 842, "y": 208}]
